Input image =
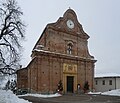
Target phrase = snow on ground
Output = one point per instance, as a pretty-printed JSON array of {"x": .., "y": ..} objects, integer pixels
[
  {"x": 112, "y": 92},
  {"x": 43, "y": 95},
  {"x": 9, "y": 97},
  {"x": 4, "y": 79},
  {"x": 94, "y": 93}
]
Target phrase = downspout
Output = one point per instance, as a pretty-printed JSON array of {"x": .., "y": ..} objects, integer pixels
[
  {"x": 30, "y": 80},
  {"x": 93, "y": 75},
  {"x": 85, "y": 70},
  {"x": 115, "y": 82},
  {"x": 37, "y": 75}
]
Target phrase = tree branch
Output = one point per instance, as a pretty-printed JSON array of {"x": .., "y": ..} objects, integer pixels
[{"x": 11, "y": 32}]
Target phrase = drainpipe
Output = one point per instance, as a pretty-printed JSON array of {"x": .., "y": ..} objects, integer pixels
[
  {"x": 115, "y": 82},
  {"x": 85, "y": 69}
]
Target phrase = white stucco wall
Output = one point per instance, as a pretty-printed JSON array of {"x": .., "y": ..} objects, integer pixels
[
  {"x": 117, "y": 83},
  {"x": 102, "y": 88}
]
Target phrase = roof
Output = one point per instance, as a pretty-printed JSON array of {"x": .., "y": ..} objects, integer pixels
[
  {"x": 21, "y": 69},
  {"x": 107, "y": 75}
]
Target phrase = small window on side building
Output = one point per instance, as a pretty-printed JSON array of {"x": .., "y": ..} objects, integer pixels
[
  {"x": 103, "y": 82},
  {"x": 110, "y": 82},
  {"x": 96, "y": 82}
]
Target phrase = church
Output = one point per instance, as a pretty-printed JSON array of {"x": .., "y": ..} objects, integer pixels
[{"x": 60, "y": 55}]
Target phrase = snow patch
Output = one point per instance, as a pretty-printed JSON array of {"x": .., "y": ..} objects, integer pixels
[
  {"x": 111, "y": 93},
  {"x": 9, "y": 97},
  {"x": 43, "y": 95},
  {"x": 107, "y": 75},
  {"x": 94, "y": 93}
]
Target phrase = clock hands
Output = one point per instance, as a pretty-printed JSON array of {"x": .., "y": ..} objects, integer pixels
[{"x": 70, "y": 24}]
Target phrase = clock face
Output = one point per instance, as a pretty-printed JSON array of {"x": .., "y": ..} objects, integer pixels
[{"x": 70, "y": 24}]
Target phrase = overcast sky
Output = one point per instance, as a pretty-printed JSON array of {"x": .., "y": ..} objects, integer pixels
[{"x": 100, "y": 20}]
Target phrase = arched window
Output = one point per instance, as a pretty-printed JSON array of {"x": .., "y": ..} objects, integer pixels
[{"x": 69, "y": 48}]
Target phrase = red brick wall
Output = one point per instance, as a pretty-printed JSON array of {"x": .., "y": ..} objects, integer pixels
[
  {"x": 46, "y": 68},
  {"x": 22, "y": 78}
]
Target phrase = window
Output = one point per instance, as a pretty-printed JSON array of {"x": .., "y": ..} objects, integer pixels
[
  {"x": 96, "y": 82},
  {"x": 110, "y": 82},
  {"x": 69, "y": 48},
  {"x": 103, "y": 82}
]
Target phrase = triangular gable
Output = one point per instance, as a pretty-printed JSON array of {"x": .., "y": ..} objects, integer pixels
[{"x": 61, "y": 25}]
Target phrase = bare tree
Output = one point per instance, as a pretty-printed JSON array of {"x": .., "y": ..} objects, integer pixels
[{"x": 12, "y": 31}]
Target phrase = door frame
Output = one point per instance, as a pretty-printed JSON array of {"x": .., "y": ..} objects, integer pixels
[
  {"x": 65, "y": 82},
  {"x": 70, "y": 84}
]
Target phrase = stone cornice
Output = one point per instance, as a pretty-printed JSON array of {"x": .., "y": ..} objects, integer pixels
[{"x": 60, "y": 55}]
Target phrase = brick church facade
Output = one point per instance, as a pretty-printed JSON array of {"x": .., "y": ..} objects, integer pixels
[{"x": 60, "y": 54}]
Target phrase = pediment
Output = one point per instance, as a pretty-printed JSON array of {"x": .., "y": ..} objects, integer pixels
[{"x": 61, "y": 24}]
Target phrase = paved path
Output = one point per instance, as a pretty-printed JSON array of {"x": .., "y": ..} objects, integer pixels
[{"x": 75, "y": 99}]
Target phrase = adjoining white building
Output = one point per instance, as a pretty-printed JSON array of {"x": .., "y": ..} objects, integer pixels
[{"x": 107, "y": 83}]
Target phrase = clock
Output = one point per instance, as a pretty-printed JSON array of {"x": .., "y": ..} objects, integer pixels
[{"x": 70, "y": 24}]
